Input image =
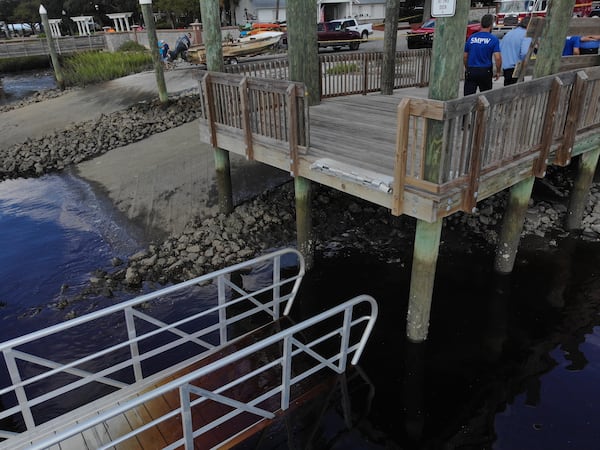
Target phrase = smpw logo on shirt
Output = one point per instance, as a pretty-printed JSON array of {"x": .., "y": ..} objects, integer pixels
[{"x": 480, "y": 40}]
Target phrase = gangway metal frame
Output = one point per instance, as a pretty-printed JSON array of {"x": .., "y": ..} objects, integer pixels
[{"x": 124, "y": 368}]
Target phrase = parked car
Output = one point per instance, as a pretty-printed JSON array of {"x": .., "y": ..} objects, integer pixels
[
  {"x": 595, "y": 12},
  {"x": 422, "y": 37}
]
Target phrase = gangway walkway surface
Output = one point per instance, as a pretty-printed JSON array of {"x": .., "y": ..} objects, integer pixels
[{"x": 197, "y": 377}]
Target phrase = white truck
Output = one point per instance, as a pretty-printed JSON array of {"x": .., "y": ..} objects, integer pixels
[{"x": 364, "y": 29}]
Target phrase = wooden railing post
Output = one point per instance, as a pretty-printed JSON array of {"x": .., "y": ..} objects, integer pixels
[
  {"x": 245, "y": 112},
  {"x": 292, "y": 115},
  {"x": 469, "y": 200},
  {"x": 563, "y": 155},
  {"x": 365, "y": 58},
  {"x": 539, "y": 168},
  {"x": 210, "y": 108},
  {"x": 401, "y": 155}
]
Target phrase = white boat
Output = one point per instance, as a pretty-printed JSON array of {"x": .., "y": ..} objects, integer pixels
[{"x": 248, "y": 46}]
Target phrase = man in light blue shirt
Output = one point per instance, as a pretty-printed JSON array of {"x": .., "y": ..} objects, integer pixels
[{"x": 514, "y": 47}]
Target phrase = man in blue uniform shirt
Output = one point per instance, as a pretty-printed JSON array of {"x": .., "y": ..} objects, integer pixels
[{"x": 482, "y": 50}]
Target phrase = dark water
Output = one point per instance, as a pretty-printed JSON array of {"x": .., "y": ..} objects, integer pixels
[
  {"x": 53, "y": 233},
  {"x": 511, "y": 363},
  {"x": 19, "y": 85}
]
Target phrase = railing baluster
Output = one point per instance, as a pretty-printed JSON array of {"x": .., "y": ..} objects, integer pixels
[
  {"x": 133, "y": 346},
  {"x": 15, "y": 378}
]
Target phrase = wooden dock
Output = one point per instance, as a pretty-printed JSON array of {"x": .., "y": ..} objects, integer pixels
[{"x": 374, "y": 146}]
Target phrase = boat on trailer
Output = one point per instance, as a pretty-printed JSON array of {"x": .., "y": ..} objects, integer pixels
[
  {"x": 204, "y": 374},
  {"x": 251, "y": 45}
]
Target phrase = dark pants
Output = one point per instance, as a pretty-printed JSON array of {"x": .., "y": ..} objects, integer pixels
[
  {"x": 180, "y": 50},
  {"x": 478, "y": 77},
  {"x": 508, "y": 77}
]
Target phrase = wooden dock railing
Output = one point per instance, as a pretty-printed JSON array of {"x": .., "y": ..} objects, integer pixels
[
  {"x": 254, "y": 110},
  {"x": 349, "y": 73},
  {"x": 503, "y": 135},
  {"x": 484, "y": 143}
]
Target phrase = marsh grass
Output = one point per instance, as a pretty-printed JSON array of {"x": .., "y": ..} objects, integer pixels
[{"x": 92, "y": 67}]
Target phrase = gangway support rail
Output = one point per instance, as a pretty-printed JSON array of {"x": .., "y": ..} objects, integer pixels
[{"x": 200, "y": 379}]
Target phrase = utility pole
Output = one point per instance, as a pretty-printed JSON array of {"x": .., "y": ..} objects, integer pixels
[
  {"x": 60, "y": 80},
  {"x": 146, "y": 6}
]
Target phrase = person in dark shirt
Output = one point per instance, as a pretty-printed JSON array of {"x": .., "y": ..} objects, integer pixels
[
  {"x": 181, "y": 46},
  {"x": 482, "y": 50}
]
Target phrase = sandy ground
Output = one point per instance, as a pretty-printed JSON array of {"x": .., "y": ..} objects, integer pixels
[{"x": 160, "y": 183}]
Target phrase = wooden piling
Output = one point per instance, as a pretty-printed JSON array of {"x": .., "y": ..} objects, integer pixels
[
  {"x": 425, "y": 254},
  {"x": 303, "y": 53},
  {"x": 214, "y": 62},
  {"x": 390, "y": 36},
  {"x": 445, "y": 76},
  {"x": 146, "y": 6},
  {"x": 579, "y": 195},
  {"x": 547, "y": 62},
  {"x": 304, "y": 238},
  {"x": 60, "y": 80},
  {"x": 512, "y": 224}
]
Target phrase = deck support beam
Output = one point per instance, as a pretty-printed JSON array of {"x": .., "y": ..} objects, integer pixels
[
  {"x": 425, "y": 254},
  {"x": 223, "y": 175},
  {"x": 445, "y": 76},
  {"x": 305, "y": 243},
  {"x": 581, "y": 188},
  {"x": 512, "y": 225},
  {"x": 214, "y": 62}
]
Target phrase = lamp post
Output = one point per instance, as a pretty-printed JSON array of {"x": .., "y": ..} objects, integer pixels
[
  {"x": 54, "y": 57},
  {"x": 146, "y": 6}
]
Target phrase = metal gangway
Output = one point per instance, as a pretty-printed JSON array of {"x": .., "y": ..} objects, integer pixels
[{"x": 162, "y": 371}]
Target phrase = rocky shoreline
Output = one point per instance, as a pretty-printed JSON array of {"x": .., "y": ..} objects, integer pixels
[{"x": 339, "y": 222}]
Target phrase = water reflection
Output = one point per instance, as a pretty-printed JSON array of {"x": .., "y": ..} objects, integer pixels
[
  {"x": 512, "y": 362},
  {"x": 54, "y": 233},
  {"x": 19, "y": 85}
]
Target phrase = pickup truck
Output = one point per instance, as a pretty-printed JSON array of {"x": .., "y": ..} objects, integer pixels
[
  {"x": 364, "y": 29},
  {"x": 332, "y": 35}
]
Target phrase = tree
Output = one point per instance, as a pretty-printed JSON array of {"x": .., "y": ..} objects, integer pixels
[
  {"x": 179, "y": 12},
  {"x": 27, "y": 12}
]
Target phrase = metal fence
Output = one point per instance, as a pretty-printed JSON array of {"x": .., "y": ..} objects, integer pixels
[{"x": 139, "y": 341}]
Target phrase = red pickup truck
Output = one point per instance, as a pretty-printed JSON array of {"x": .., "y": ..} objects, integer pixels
[{"x": 331, "y": 34}]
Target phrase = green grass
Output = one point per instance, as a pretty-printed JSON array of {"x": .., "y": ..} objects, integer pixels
[
  {"x": 92, "y": 67},
  {"x": 339, "y": 69}
]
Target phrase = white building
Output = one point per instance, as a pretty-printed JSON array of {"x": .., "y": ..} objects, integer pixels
[{"x": 275, "y": 10}]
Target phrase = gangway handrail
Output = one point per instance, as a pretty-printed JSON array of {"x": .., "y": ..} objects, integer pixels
[
  {"x": 286, "y": 338},
  {"x": 219, "y": 318}
]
